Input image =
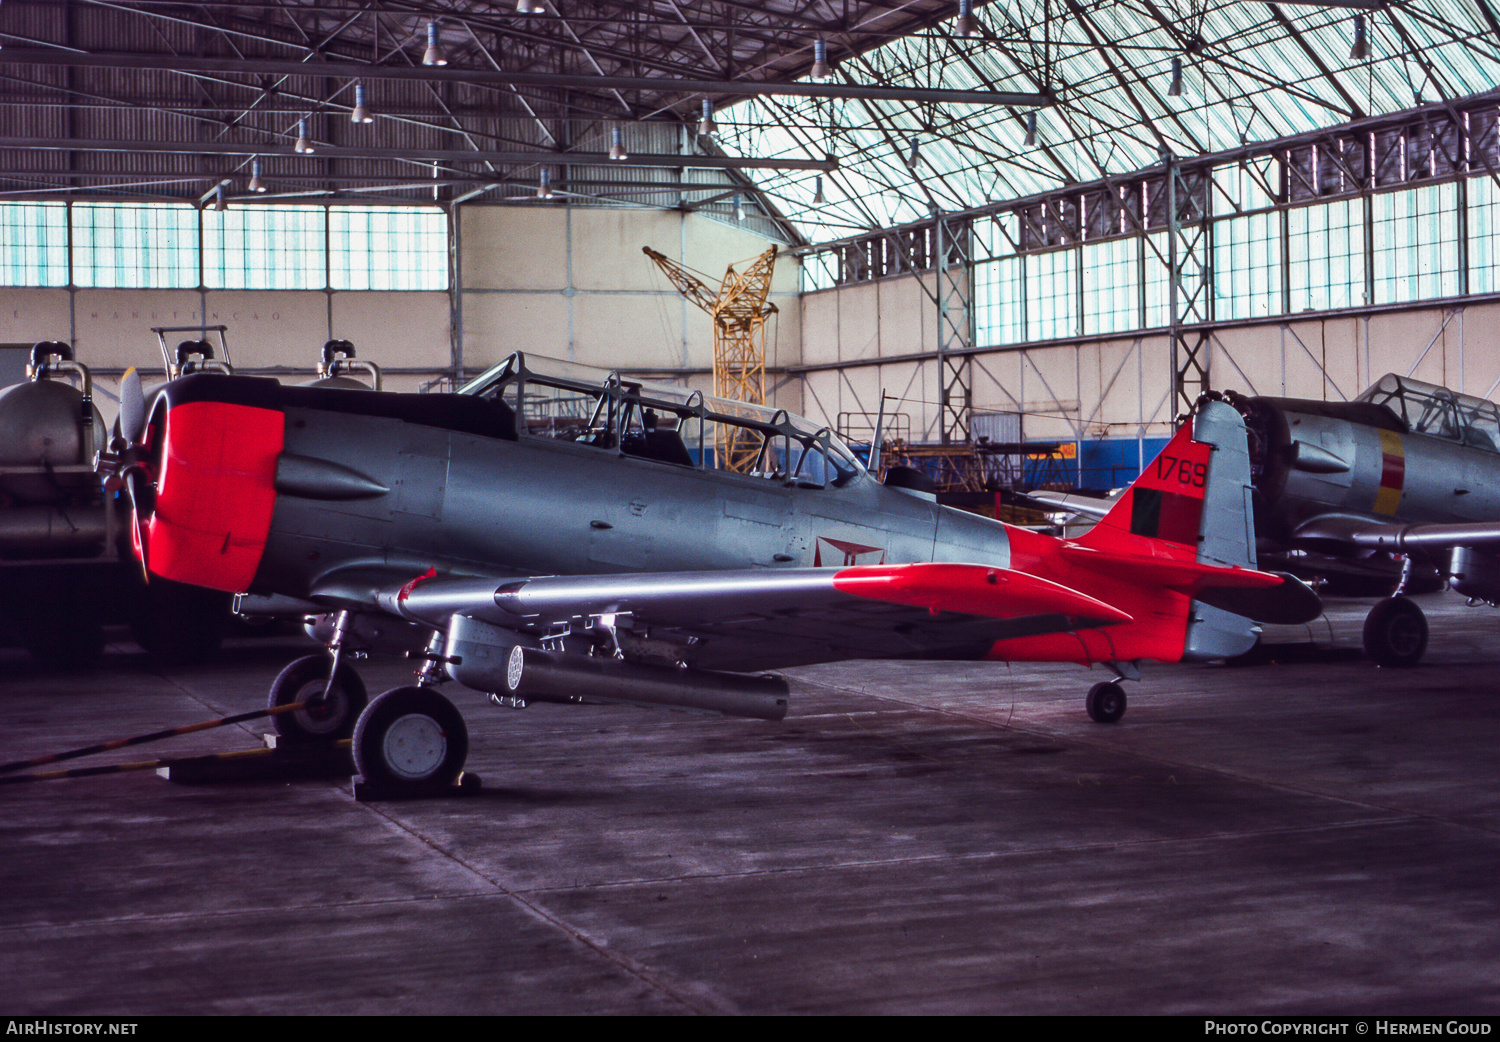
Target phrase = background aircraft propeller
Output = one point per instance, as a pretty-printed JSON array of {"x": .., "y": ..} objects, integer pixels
[{"x": 124, "y": 466}]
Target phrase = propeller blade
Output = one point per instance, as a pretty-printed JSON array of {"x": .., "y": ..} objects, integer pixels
[
  {"x": 132, "y": 407},
  {"x": 137, "y": 533}
]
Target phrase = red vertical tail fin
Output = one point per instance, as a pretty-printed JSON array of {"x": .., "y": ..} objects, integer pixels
[{"x": 1191, "y": 503}]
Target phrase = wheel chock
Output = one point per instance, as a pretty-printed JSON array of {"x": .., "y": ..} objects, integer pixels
[{"x": 468, "y": 784}]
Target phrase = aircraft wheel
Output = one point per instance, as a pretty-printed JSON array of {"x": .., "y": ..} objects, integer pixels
[
  {"x": 411, "y": 737},
  {"x": 1396, "y": 632},
  {"x": 323, "y": 721},
  {"x": 1106, "y": 703}
]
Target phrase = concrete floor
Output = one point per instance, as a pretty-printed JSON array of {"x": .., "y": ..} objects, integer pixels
[{"x": 1294, "y": 837}]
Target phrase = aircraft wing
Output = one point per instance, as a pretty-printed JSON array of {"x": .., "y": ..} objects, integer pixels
[
  {"x": 1398, "y": 538},
  {"x": 1088, "y": 506},
  {"x": 760, "y": 618}
]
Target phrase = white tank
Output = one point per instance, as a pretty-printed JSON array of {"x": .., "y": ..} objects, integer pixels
[{"x": 39, "y": 427}]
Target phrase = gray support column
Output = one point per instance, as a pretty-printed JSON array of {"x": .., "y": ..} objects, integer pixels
[
  {"x": 1188, "y": 292},
  {"x": 953, "y": 270},
  {"x": 455, "y": 295}
]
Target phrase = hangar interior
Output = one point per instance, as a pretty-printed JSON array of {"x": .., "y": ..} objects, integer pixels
[
  {"x": 1049, "y": 221},
  {"x": 1077, "y": 214}
]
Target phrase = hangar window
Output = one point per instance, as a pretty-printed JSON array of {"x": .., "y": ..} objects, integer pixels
[
  {"x": 1416, "y": 245},
  {"x": 1247, "y": 266},
  {"x": 1156, "y": 274},
  {"x": 1000, "y": 301},
  {"x": 396, "y": 247},
  {"x": 1112, "y": 295},
  {"x": 1053, "y": 278},
  {"x": 265, "y": 247},
  {"x": 135, "y": 246},
  {"x": 1326, "y": 255},
  {"x": 1484, "y": 236},
  {"x": 33, "y": 244},
  {"x": 115, "y": 245}
]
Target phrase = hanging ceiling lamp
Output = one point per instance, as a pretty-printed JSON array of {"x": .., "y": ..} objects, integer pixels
[
  {"x": 965, "y": 24},
  {"x": 360, "y": 113},
  {"x": 434, "y": 54},
  {"x": 821, "y": 70}
]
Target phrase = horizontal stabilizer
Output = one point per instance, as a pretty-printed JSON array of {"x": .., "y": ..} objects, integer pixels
[
  {"x": 1071, "y": 502},
  {"x": 1290, "y": 604},
  {"x": 1177, "y": 574},
  {"x": 1263, "y": 596}
]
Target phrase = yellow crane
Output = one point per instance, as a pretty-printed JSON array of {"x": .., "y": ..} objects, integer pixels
[{"x": 739, "y": 310}]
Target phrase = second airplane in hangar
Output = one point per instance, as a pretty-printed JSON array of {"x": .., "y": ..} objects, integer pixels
[
  {"x": 543, "y": 537},
  {"x": 1407, "y": 468}
]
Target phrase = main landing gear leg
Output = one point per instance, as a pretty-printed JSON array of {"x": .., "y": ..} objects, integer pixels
[{"x": 334, "y": 693}]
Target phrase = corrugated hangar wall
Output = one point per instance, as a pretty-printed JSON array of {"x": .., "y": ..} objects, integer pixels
[
  {"x": 1117, "y": 389},
  {"x": 563, "y": 282},
  {"x": 572, "y": 283}
]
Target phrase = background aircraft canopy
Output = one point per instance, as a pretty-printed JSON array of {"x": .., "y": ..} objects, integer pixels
[{"x": 1429, "y": 409}]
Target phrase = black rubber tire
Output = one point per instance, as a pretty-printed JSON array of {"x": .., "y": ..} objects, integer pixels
[
  {"x": 303, "y": 679},
  {"x": 1106, "y": 703},
  {"x": 1396, "y": 633},
  {"x": 411, "y": 737}
]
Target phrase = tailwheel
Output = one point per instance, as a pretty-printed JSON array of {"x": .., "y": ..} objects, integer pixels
[
  {"x": 1396, "y": 632},
  {"x": 411, "y": 740},
  {"x": 1106, "y": 702},
  {"x": 323, "y": 719}
]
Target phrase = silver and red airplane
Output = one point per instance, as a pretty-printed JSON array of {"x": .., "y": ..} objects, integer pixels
[{"x": 543, "y": 537}]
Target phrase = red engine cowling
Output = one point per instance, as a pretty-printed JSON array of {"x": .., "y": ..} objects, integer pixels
[{"x": 215, "y": 491}]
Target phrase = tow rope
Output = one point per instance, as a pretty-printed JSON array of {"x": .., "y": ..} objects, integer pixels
[{"x": 140, "y": 739}]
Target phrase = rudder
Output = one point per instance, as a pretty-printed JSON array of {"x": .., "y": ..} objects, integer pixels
[{"x": 1191, "y": 503}]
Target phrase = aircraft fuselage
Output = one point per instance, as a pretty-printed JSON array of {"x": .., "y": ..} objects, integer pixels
[
  {"x": 539, "y": 506},
  {"x": 1313, "y": 463}
]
